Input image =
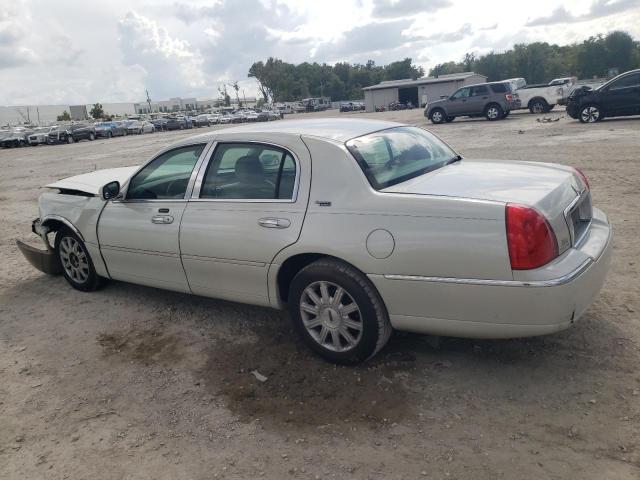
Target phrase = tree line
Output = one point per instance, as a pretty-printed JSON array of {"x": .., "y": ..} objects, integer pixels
[
  {"x": 280, "y": 81},
  {"x": 537, "y": 62},
  {"x": 540, "y": 62}
]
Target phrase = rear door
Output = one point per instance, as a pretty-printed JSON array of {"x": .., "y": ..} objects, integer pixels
[
  {"x": 622, "y": 97},
  {"x": 249, "y": 203},
  {"x": 139, "y": 235},
  {"x": 478, "y": 99}
]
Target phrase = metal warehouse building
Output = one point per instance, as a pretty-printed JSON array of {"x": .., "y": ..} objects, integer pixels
[{"x": 418, "y": 92}]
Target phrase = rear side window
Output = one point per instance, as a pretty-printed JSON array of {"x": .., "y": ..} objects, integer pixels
[
  {"x": 249, "y": 171},
  {"x": 479, "y": 90},
  {"x": 499, "y": 87},
  {"x": 398, "y": 154}
]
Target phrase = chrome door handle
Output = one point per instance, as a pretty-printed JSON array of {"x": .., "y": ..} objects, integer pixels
[
  {"x": 274, "y": 222},
  {"x": 162, "y": 219}
]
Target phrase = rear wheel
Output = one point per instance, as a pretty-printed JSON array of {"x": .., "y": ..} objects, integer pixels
[
  {"x": 590, "y": 114},
  {"x": 539, "y": 106},
  {"x": 493, "y": 112},
  {"x": 437, "y": 116},
  {"x": 77, "y": 266},
  {"x": 337, "y": 312}
]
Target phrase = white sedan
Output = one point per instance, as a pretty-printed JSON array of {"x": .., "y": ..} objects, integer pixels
[{"x": 357, "y": 227}]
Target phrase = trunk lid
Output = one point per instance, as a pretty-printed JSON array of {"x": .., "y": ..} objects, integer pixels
[
  {"x": 556, "y": 191},
  {"x": 92, "y": 182}
]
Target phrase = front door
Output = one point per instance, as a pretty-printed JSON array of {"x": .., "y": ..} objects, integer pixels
[
  {"x": 139, "y": 235},
  {"x": 623, "y": 96},
  {"x": 457, "y": 104},
  {"x": 478, "y": 99},
  {"x": 249, "y": 203}
]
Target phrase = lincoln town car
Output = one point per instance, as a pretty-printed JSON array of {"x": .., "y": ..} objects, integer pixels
[{"x": 357, "y": 227}]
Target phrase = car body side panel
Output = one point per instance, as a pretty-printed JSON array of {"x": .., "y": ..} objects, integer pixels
[{"x": 453, "y": 230}]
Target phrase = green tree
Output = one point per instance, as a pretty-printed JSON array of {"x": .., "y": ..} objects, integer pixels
[
  {"x": 65, "y": 117},
  {"x": 620, "y": 50},
  {"x": 97, "y": 111}
]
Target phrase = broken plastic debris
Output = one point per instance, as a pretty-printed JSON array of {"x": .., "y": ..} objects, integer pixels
[{"x": 258, "y": 376}]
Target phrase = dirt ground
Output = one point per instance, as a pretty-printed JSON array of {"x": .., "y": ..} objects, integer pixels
[{"x": 137, "y": 383}]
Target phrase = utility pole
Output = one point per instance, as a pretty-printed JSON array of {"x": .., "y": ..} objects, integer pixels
[
  {"x": 38, "y": 112},
  {"x": 245, "y": 98},
  {"x": 148, "y": 100}
]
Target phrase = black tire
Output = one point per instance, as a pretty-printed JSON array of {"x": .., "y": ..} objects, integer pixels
[
  {"x": 70, "y": 139},
  {"x": 92, "y": 137},
  {"x": 87, "y": 283},
  {"x": 538, "y": 105},
  {"x": 109, "y": 134},
  {"x": 450, "y": 119},
  {"x": 505, "y": 114},
  {"x": 371, "y": 314},
  {"x": 437, "y": 116},
  {"x": 493, "y": 111},
  {"x": 590, "y": 113},
  {"x": 549, "y": 108}
]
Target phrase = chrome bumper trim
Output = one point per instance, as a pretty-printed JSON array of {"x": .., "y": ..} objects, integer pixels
[{"x": 554, "y": 282}]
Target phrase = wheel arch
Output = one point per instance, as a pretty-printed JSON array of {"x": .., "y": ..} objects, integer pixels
[
  {"x": 292, "y": 265},
  {"x": 535, "y": 99},
  {"x": 56, "y": 222}
]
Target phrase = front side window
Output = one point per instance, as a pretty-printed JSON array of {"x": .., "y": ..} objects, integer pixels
[
  {"x": 632, "y": 80},
  {"x": 398, "y": 154},
  {"x": 462, "y": 93},
  {"x": 249, "y": 171},
  {"x": 167, "y": 176}
]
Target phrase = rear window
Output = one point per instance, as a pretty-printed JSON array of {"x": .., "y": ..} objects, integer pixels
[
  {"x": 499, "y": 87},
  {"x": 393, "y": 156}
]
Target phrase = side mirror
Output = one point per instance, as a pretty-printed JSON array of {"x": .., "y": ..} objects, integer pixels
[
  {"x": 110, "y": 190},
  {"x": 443, "y": 97}
]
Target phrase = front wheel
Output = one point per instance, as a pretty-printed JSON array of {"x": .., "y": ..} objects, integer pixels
[
  {"x": 77, "y": 266},
  {"x": 494, "y": 112},
  {"x": 437, "y": 116},
  {"x": 590, "y": 114},
  {"x": 338, "y": 313}
]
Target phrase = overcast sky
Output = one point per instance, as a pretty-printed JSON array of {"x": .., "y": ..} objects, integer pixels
[{"x": 83, "y": 51}]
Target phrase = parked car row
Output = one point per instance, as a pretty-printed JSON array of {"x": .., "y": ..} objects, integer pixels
[
  {"x": 351, "y": 106},
  {"x": 23, "y": 136}
]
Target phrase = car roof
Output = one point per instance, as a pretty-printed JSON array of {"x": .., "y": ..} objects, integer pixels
[{"x": 335, "y": 129}]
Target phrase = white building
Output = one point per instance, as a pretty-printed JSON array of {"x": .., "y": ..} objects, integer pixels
[{"x": 419, "y": 91}]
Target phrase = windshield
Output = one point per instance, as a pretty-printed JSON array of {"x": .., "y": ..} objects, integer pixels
[{"x": 393, "y": 156}]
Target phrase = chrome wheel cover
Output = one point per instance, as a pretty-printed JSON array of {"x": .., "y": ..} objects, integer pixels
[
  {"x": 492, "y": 112},
  {"x": 436, "y": 116},
  {"x": 331, "y": 316},
  {"x": 538, "y": 108},
  {"x": 590, "y": 114},
  {"x": 74, "y": 260}
]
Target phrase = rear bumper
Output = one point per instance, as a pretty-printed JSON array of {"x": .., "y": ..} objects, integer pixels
[{"x": 501, "y": 309}]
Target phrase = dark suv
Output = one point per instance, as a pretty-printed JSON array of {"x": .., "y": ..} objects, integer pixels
[
  {"x": 491, "y": 100},
  {"x": 72, "y": 133},
  {"x": 617, "y": 98}
]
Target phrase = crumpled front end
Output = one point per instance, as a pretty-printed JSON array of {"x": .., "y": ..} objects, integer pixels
[{"x": 46, "y": 260}]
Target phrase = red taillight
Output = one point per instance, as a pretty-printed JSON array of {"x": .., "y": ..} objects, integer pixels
[
  {"x": 530, "y": 239},
  {"x": 509, "y": 97},
  {"x": 583, "y": 177}
]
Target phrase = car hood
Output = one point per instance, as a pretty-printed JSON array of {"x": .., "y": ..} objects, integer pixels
[
  {"x": 436, "y": 102},
  {"x": 547, "y": 187},
  {"x": 92, "y": 182}
]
